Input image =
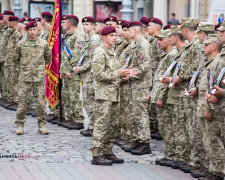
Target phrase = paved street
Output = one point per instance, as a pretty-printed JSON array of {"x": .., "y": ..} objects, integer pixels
[{"x": 65, "y": 154}]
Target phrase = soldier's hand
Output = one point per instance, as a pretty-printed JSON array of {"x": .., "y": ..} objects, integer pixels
[
  {"x": 159, "y": 103},
  {"x": 76, "y": 69},
  {"x": 165, "y": 80},
  {"x": 207, "y": 116},
  {"x": 133, "y": 72},
  {"x": 219, "y": 91},
  {"x": 68, "y": 75},
  {"x": 213, "y": 99},
  {"x": 124, "y": 73},
  {"x": 148, "y": 97},
  {"x": 192, "y": 92},
  {"x": 223, "y": 81},
  {"x": 176, "y": 81},
  {"x": 61, "y": 76}
]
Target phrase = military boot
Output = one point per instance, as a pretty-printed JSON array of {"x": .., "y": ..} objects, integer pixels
[
  {"x": 30, "y": 111},
  {"x": 211, "y": 177},
  {"x": 13, "y": 107},
  {"x": 162, "y": 161},
  {"x": 200, "y": 172},
  {"x": 50, "y": 117},
  {"x": 113, "y": 158},
  {"x": 141, "y": 149},
  {"x": 67, "y": 123},
  {"x": 60, "y": 123},
  {"x": 87, "y": 132},
  {"x": 156, "y": 135},
  {"x": 42, "y": 130},
  {"x": 55, "y": 121},
  {"x": 186, "y": 168},
  {"x": 76, "y": 126},
  {"x": 100, "y": 160},
  {"x": 175, "y": 164},
  {"x": 129, "y": 146},
  {"x": 19, "y": 130}
]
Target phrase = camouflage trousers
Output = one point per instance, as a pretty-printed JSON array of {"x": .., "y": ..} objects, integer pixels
[
  {"x": 153, "y": 116},
  {"x": 13, "y": 83},
  {"x": 140, "y": 131},
  {"x": 88, "y": 93},
  {"x": 197, "y": 152},
  {"x": 24, "y": 89},
  {"x": 125, "y": 126},
  {"x": 214, "y": 142},
  {"x": 71, "y": 100},
  {"x": 1, "y": 77},
  {"x": 182, "y": 150},
  {"x": 6, "y": 84},
  {"x": 107, "y": 115},
  {"x": 166, "y": 129}
]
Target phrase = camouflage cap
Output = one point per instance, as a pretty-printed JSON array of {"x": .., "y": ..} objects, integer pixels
[
  {"x": 205, "y": 26},
  {"x": 222, "y": 27},
  {"x": 175, "y": 29},
  {"x": 212, "y": 38},
  {"x": 163, "y": 34},
  {"x": 193, "y": 22}
]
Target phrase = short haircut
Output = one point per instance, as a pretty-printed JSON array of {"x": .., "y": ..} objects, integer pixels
[
  {"x": 173, "y": 14},
  {"x": 137, "y": 27},
  {"x": 219, "y": 46},
  {"x": 73, "y": 22},
  {"x": 191, "y": 28},
  {"x": 179, "y": 35},
  {"x": 208, "y": 32},
  {"x": 47, "y": 18}
]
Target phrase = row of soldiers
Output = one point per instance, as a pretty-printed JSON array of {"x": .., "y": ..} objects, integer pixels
[{"x": 133, "y": 73}]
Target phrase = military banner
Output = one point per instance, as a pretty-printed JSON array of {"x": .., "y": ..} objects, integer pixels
[{"x": 52, "y": 69}]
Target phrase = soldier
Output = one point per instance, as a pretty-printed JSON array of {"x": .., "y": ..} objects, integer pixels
[
  {"x": 39, "y": 26},
  {"x": 21, "y": 27},
  {"x": 46, "y": 20},
  {"x": 73, "y": 44},
  {"x": 99, "y": 25},
  {"x": 212, "y": 114},
  {"x": 13, "y": 66},
  {"x": 154, "y": 26},
  {"x": 33, "y": 55},
  {"x": 145, "y": 32},
  {"x": 159, "y": 93},
  {"x": 26, "y": 20},
  {"x": 106, "y": 75},
  {"x": 221, "y": 33},
  {"x": 140, "y": 86},
  {"x": 3, "y": 43},
  {"x": 198, "y": 159},
  {"x": 92, "y": 41}
]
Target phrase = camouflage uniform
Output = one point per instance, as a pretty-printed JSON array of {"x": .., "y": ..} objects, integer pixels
[
  {"x": 7, "y": 31},
  {"x": 13, "y": 66},
  {"x": 140, "y": 87},
  {"x": 106, "y": 83},
  {"x": 71, "y": 87},
  {"x": 121, "y": 47},
  {"x": 33, "y": 56},
  {"x": 45, "y": 35},
  {"x": 159, "y": 92},
  {"x": 1, "y": 66},
  {"x": 87, "y": 78}
]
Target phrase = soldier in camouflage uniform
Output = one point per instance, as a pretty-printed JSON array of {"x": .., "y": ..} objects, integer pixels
[
  {"x": 33, "y": 55},
  {"x": 13, "y": 65},
  {"x": 71, "y": 80},
  {"x": 221, "y": 33},
  {"x": 106, "y": 81},
  {"x": 140, "y": 86},
  {"x": 159, "y": 92},
  {"x": 46, "y": 20},
  {"x": 212, "y": 114},
  {"x": 92, "y": 41},
  {"x": 154, "y": 26},
  {"x": 7, "y": 31},
  {"x": 145, "y": 32}
]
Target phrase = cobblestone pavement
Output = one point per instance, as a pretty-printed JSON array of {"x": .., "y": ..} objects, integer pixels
[{"x": 63, "y": 148}]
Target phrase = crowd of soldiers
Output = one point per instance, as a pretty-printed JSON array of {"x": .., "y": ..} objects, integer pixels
[{"x": 136, "y": 76}]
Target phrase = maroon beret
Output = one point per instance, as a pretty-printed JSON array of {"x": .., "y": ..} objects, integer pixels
[
  {"x": 144, "y": 20},
  {"x": 135, "y": 23},
  {"x": 31, "y": 25},
  {"x": 8, "y": 12},
  {"x": 88, "y": 19},
  {"x": 46, "y": 14},
  {"x": 1, "y": 16},
  {"x": 13, "y": 18},
  {"x": 37, "y": 19},
  {"x": 107, "y": 30},
  {"x": 155, "y": 20},
  {"x": 63, "y": 17},
  {"x": 168, "y": 26},
  {"x": 120, "y": 22},
  {"x": 111, "y": 18},
  {"x": 73, "y": 17},
  {"x": 100, "y": 20},
  {"x": 27, "y": 19},
  {"x": 125, "y": 25},
  {"x": 21, "y": 21}
]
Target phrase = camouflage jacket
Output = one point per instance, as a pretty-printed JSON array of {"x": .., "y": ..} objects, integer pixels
[
  {"x": 74, "y": 41},
  {"x": 105, "y": 73},
  {"x": 160, "y": 90},
  {"x": 45, "y": 35},
  {"x": 7, "y": 31},
  {"x": 140, "y": 60},
  {"x": 121, "y": 47},
  {"x": 90, "y": 45},
  {"x": 189, "y": 61},
  {"x": 32, "y": 57},
  {"x": 10, "y": 49},
  {"x": 215, "y": 65},
  {"x": 223, "y": 49}
]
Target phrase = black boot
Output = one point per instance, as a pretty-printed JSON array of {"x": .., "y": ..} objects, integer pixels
[
  {"x": 55, "y": 121},
  {"x": 141, "y": 149},
  {"x": 200, "y": 172},
  {"x": 186, "y": 168},
  {"x": 100, "y": 160},
  {"x": 87, "y": 132},
  {"x": 156, "y": 135},
  {"x": 67, "y": 123},
  {"x": 76, "y": 126},
  {"x": 60, "y": 123},
  {"x": 129, "y": 146},
  {"x": 50, "y": 117},
  {"x": 162, "y": 161},
  {"x": 211, "y": 177},
  {"x": 113, "y": 158},
  {"x": 175, "y": 164}
]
